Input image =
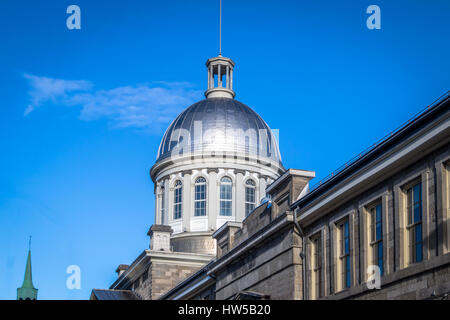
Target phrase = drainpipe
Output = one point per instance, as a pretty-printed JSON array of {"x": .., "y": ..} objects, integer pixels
[{"x": 303, "y": 253}]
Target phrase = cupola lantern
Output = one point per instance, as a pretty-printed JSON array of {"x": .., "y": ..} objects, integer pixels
[{"x": 220, "y": 78}]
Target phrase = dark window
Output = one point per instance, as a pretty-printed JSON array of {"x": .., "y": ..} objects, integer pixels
[
  {"x": 345, "y": 254},
  {"x": 414, "y": 227},
  {"x": 377, "y": 236},
  {"x": 317, "y": 267}
]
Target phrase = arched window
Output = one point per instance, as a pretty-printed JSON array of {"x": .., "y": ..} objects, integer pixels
[
  {"x": 178, "y": 200},
  {"x": 163, "y": 205},
  {"x": 226, "y": 199},
  {"x": 250, "y": 198},
  {"x": 200, "y": 197}
]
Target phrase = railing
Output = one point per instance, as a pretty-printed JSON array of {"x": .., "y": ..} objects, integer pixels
[{"x": 379, "y": 142}]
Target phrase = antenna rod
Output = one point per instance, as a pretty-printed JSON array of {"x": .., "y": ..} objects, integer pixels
[
  {"x": 220, "y": 28},
  {"x": 29, "y": 244}
]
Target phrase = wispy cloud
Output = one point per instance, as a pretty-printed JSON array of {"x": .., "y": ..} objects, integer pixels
[
  {"x": 44, "y": 89},
  {"x": 144, "y": 106}
]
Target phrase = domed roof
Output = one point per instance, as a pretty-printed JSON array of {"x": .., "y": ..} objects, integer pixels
[{"x": 219, "y": 125}]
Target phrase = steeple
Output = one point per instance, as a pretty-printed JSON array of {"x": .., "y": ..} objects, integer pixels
[
  {"x": 27, "y": 291},
  {"x": 220, "y": 71}
]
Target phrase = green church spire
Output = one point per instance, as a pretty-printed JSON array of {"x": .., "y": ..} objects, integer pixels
[{"x": 27, "y": 291}]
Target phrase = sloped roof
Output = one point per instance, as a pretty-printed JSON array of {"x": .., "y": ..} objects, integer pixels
[{"x": 108, "y": 294}]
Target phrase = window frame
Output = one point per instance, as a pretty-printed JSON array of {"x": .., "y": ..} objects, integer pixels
[
  {"x": 200, "y": 201},
  {"x": 250, "y": 184},
  {"x": 376, "y": 242},
  {"x": 344, "y": 256},
  {"x": 411, "y": 224},
  {"x": 317, "y": 263},
  {"x": 223, "y": 200},
  {"x": 178, "y": 200}
]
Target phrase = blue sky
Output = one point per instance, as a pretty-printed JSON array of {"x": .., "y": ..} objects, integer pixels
[{"x": 83, "y": 111}]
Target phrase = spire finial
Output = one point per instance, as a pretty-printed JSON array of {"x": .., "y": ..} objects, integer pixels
[
  {"x": 220, "y": 27},
  {"x": 27, "y": 291},
  {"x": 220, "y": 71}
]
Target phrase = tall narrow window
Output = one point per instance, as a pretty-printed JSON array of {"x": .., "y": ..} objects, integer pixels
[
  {"x": 178, "y": 200},
  {"x": 344, "y": 256},
  {"x": 163, "y": 205},
  {"x": 376, "y": 236},
  {"x": 200, "y": 197},
  {"x": 249, "y": 196},
  {"x": 317, "y": 258},
  {"x": 226, "y": 199},
  {"x": 414, "y": 218}
]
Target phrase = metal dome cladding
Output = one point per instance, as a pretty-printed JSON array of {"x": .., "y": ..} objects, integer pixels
[{"x": 221, "y": 125}]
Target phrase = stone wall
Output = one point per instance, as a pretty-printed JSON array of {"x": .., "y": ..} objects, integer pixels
[
  {"x": 427, "y": 280},
  {"x": 432, "y": 284},
  {"x": 167, "y": 276},
  {"x": 162, "y": 277},
  {"x": 203, "y": 244},
  {"x": 271, "y": 268}
]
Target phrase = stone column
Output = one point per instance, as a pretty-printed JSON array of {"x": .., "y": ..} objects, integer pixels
[
  {"x": 228, "y": 78},
  {"x": 239, "y": 196},
  {"x": 428, "y": 246},
  {"x": 325, "y": 260},
  {"x": 212, "y": 76},
  {"x": 354, "y": 247},
  {"x": 386, "y": 229},
  {"x": 209, "y": 77},
  {"x": 186, "y": 214},
  {"x": 212, "y": 198},
  {"x": 219, "y": 78},
  {"x": 157, "y": 203},
  {"x": 231, "y": 80},
  {"x": 399, "y": 241},
  {"x": 166, "y": 202}
]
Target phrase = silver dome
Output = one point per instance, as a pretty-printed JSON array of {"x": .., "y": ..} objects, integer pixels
[{"x": 221, "y": 125}]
